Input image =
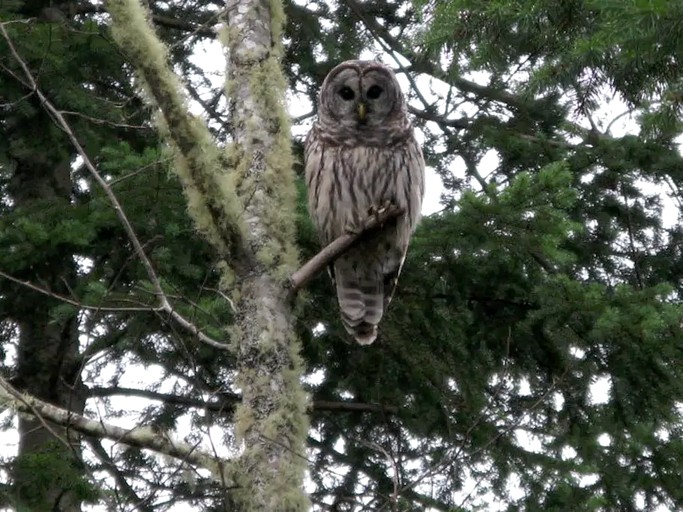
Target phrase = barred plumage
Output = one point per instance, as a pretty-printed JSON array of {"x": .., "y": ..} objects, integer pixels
[{"x": 360, "y": 155}]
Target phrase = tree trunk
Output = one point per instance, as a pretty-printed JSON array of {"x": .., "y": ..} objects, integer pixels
[
  {"x": 47, "y": 470},
  {"x": 271, "y": 420},
  {"x": 247, "y": 212}
]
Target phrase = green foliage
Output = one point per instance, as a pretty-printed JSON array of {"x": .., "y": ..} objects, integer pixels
[
  {"x": 585, "y": 45},
  {"x": 38, "y": 472},
  {"x": 538, "y": 282}
]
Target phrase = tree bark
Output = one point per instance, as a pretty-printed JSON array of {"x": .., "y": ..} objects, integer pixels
[
  {"x": 271, "y": 420},
  {"x": 47, "y": 350},
  {"x": 56, "y": 419}
]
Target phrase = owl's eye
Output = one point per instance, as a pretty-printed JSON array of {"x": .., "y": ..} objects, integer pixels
[
  {"x": 374, "y": 92},
  {"x": 347, "y": 93}
]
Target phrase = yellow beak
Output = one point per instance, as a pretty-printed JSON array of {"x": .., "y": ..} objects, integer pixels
[{"x": 362, "y": 110}]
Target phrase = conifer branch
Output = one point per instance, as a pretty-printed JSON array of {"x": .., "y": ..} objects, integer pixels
[
  {"x": 109, "y": 465},
  {"x": 339, "y": 246},
  {"x": 226, "y": 402},
  {"x": 59, "y": 12}
]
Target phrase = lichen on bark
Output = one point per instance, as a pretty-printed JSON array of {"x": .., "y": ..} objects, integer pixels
[
  {"x": 271, "y": 421},
  {"x": 208, "y": 184}
]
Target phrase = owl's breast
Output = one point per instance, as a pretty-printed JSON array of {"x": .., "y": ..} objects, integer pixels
[
  {"x": 367, "y": 178},
  {"x": 347, "y": 182}
]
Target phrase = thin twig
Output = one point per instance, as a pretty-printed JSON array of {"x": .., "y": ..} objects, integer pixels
[{"x": 73, "y": 302}]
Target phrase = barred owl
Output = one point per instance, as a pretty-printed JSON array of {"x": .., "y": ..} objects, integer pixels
[{"x": 361, "y": 155}]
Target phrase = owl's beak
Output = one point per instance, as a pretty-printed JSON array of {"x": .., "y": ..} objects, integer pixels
[{"x": 362, "y": 110}]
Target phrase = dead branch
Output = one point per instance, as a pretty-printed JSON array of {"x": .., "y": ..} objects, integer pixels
[
  {"x": 74, "y": 302},
  {"x": 339, "y": 246},
  {"x": 140, "y": 437}
]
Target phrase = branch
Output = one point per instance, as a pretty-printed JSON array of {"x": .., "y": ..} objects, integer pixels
[
  {"x": 74, "y": 302},
  {"x": 60, "y": 121},
  {"x": 61, "y": 11},
  {"x": 202, "y": 169},
  {"x": 421, "y": 64},
  {"x": 224, "y": 402},
  {"x": 327, "y": 405},
  {"x": 140, "y": 437},
  {"x": 427, "y": 115},
  {"x": 339, "y": 247},
  {"x": 110, "y": 466},
  {"x": 227, "y": 401}
]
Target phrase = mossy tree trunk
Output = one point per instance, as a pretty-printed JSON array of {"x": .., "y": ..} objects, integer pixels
[
  {"x": 246, "y": 210},
  {"x": 271, "y": 420}
]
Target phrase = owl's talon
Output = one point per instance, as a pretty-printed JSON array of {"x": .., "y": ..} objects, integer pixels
[
  {"x": 353, "y": 229},
  {"x": 376, "y": 211}
]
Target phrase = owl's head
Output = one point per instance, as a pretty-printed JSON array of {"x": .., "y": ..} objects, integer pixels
[{"x": 361, "y": 95}]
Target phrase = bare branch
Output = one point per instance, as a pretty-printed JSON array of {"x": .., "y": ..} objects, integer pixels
[
  {"x": 339, "y": 247},
  {"x": 140, "y": 437},
  {"x": 74, "y": 302},
  {"x": 303, "y": 117}
]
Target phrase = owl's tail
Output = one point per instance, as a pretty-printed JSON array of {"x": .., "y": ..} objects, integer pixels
[{"x": 360, "y": 292}]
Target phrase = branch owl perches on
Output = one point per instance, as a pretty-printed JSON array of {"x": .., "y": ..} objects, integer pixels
[{"x": 361, "y": 156}]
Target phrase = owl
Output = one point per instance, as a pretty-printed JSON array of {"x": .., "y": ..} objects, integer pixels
[{"x": 360, "y": 156}]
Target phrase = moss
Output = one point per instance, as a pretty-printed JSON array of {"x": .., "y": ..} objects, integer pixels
[
  {"x": 227, "y": 279},
  {"x": 277, "y": 24},
  {"x": 220, "y": 186},
  {"x": 269, "y": 127},
  {"x": 212, "y": 201},
  {"x": 244, "y": 420},
  {"x": 280, "y": 214}
]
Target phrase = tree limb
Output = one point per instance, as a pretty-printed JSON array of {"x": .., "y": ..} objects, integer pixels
[
  {"x": 140, "y": 437},
  {"x": 227, "y": 401},
  {"x": 110, "y": 466},
  {"x": 339, "y": 246},
  {"x": 75, "y": 302}
]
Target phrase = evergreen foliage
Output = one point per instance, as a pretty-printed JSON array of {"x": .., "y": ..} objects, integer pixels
[{"x": 532, "y": 358}]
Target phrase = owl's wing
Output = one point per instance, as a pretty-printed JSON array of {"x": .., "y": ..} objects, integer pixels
[
  {"x": 391, "y": 280},
  {"x": 409, "y": 194},
  {"x": 365, "y": 277}
]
